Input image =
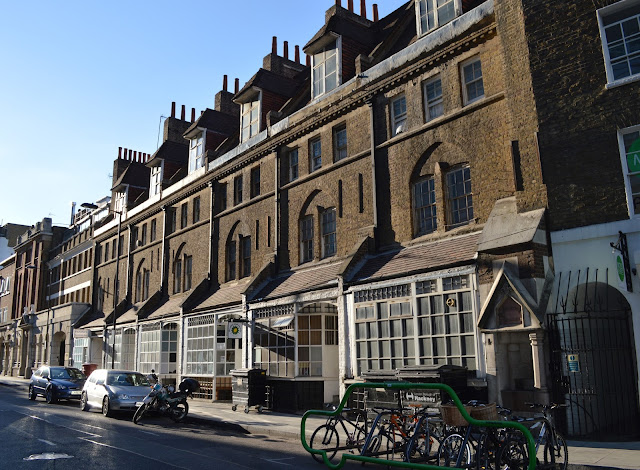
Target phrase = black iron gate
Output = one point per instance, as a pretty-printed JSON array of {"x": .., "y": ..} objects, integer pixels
[{"x": 593, "y": 359}]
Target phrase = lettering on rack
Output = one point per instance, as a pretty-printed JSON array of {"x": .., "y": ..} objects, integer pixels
[{"x": 420, "y": 398}]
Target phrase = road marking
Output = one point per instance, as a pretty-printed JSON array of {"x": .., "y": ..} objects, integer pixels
[
  {"x": 150, "y": 433},
  {"x": 164, "y": 463},
  {"x": 279, "y": 461},
  {"x": 91, "y": 434},
  {"x": 91, "y": 426},
  {"x": 49, "y": 443}
]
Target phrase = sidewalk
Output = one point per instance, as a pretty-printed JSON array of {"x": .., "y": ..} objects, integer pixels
[{"x": 582, "y": 455}]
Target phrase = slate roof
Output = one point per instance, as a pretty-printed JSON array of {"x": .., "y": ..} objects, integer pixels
[
  {"x": 227, "y": 294},
  {"x": 415, "y": 259},
  {"x": 270, "y": 81},
  {"x": 216, "y": 121},
  {"x": 300, "y": 280},
  {"x": 170, "y": 306},
  {"x": 172, "y": 152}
]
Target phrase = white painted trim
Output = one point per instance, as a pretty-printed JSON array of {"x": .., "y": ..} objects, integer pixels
[
  {"x": 457, "y": 5},
  {"x": 338, "y": 69},
  {"x": 69, "y": 290},
  {"x": 623, "y": 162},
  {"x": 608, "y": 10}
]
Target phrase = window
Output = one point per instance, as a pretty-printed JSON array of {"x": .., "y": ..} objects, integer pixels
[
  {"x": 237, "y": 190},
  {"x": 106, "y": 254},
  {"x": 398, "y": 115},
  {"x": 433, "y": 98},
  {"x": 177, "y": 276},
  {"x": 113, "y": 249},
  {"x": 196, "y": 209},
  {"x": 142, "y": 285},
  {"x": 245, "y": 256},
  {"x": 293, "y": 164},
  {"x": 315, "y": 155},
  {"x": 255, "y": 182},
  {"x": 201, "y": 346},
  {"x": 145, "y": 286},
  {"x": 339, "y": 143},
  {"x": 138, "y": 286},
  {"x": 188, "y": 269},
  {"x": 620, "y": 32},
  {"x": 149, "y": 348},
  {"x": 172, "y": 220},
  {"x": 630, "y": 151},
  {"x": 250, "y": 119},
  {"x": 325, "y": 69},
  {"x": 222, "y": 191},
  {"x": 473, "y": 87},
  {"x": 435, "y": 13},
  {"x": 143, "y": 239},
  {"x": 169, "y": 349},
  {"x": 196, "y": 153},
  {"x": 231, "y": 260},
  {"x": 156, "y": 180},
  {"x": 183, "y": 214},
  {"x": 329, "y": 232},
  {"x": 460, "y": 198},
  {"x": 152, "y": 235},
  {"x": 306, "y": 239},
  {"x": 424, "y": 206}
]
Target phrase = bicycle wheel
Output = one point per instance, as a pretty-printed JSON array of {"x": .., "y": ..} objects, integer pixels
[
  {"x": 451, "y": 448},
  {"x": 356, "y": 438},
  {"x": 486, "y": 454},
  {"x": 512, "y": 456},
  {"x": 556, "y": 455},
  {"x": 421, "y": 443},
  {"x": 325, "y": 438}
]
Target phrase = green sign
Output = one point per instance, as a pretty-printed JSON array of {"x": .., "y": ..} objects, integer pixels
[
  {"x": 620, "y": 267},
  {"x": 633, "y": 156}
]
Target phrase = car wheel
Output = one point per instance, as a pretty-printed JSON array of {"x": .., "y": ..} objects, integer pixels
[
  {"x": 32, "y": 393},
  {"x": 106, "y": 407},
  {"x": 84, "y": 406},
  {"x": 50, "y": 395}
]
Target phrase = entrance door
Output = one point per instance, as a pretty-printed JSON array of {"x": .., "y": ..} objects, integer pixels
[{"x": 593, "y": 363}]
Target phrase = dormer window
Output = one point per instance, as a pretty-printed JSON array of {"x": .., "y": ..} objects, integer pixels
[
  {"x": 326, "y": 69},
  {"x": 432, "y": 14},
  {"x": 120, "y": 201},
  {"x": 250, "y": 119},
  {"x": 156, "y": 180},
  {"x": 196, "y": 152}
]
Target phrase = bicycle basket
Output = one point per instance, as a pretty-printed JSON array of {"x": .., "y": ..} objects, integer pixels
[
  {"x": 486, "y": 412},
  {"x": 452, "y": 416}
]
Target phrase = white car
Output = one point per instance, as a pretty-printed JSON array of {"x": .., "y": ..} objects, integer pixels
[{"x": 114, "y": 390}]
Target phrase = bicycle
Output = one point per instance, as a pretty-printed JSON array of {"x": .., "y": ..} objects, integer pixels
[
  {"x": 327, "y": 435},
  {"x": 427, "y": 436},
  {"x": 514, "y": 455}
]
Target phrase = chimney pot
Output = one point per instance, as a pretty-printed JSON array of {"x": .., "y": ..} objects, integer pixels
[
  {"x": 130, "y": 155},
  {"x": 224, "y": 83},
  {"x": 286, "y": 49},
  {"x": 297, "y": 54},
  {"x": 237, "y": 86},
  {"x": 193, "y": 114},
  {"x": 363, "y": 8},
  {"x": 350, "y": 5},
  {"x": 173, "y": 109},
  {"x": 135, "y": 155},
  {"x": 119, "y": 153},
  {"x": 375, "y": 12},
  {"x": 182, "y": 113},
  {"x": 274, "y": 45},
  {"x": 339, "y": 3}
]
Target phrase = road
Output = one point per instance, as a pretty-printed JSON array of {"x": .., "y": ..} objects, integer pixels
[{"x": 38, "y": 435}]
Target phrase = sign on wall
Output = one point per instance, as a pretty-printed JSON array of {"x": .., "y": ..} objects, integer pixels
[{"x": 235, "y": 330}]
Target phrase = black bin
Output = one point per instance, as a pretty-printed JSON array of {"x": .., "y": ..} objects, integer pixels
[
  {"x": 451, "y": 375},
  {"x": 248, "y": 388}
]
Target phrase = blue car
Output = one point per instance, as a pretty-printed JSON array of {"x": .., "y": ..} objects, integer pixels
[{"x": 56, "y": 383}]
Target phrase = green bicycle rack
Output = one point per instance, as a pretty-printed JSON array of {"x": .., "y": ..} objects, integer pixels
[{"x": 393, "y": 463}]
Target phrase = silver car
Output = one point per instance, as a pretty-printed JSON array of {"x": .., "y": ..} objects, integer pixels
[{"x": 114, "y": 390}]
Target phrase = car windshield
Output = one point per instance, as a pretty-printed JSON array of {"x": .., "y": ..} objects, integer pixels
[
  {"x": 66, "y": 373},
  {"x": 124, "y": 379}
]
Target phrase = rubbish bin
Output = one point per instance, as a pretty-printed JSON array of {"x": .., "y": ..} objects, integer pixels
[
  {"x": 88, "y": 368},
  {"x": 248, "y": 388},
  {"x": 454, "y": 376}
]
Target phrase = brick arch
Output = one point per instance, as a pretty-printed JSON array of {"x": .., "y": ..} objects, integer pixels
[
  {"x": 178, "y": 253},
  {"x": 239, "y": 227},
  {"x": 319, "y": 198},
  {"x": 439, "y": 155}
]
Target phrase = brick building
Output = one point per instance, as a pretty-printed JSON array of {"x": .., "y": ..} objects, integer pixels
[{"x": 408, "y": 198}]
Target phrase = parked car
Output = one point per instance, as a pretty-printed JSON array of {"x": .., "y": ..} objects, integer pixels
[
  {"x": 56, "y": 383},
  {"x": 114, "y": 390}
]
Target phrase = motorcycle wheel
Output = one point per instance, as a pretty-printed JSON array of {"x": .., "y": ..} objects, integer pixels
[
  {"x": 139, "y": 413},
  {"x": 180, "y": 411}
]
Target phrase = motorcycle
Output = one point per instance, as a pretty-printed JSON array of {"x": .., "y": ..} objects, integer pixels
[{"x": 165, "y": 400}]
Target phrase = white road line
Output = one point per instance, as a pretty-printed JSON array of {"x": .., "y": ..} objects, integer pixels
[
  {"x": 279, "y": 461},
  {"x": 91, "y": 426},
  {"x": 164, "y": 463},
  {"x": 49, "y": 443},
  {"x": 150, "y": 433},
  {"x": 91, "y": 434}
]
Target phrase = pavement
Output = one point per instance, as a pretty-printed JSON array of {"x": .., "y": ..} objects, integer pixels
[{"x": 583, "y": 455}]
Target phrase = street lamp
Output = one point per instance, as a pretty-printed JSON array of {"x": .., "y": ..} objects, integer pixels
[{"x": 88, "y": 205}]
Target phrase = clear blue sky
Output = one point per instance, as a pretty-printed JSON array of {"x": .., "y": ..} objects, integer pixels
[{"x": 78, "y": 79}]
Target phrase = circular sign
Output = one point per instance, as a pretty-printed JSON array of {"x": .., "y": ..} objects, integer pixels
[{"x": 235, "y": 330}]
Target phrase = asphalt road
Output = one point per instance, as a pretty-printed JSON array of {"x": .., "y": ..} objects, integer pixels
[{"x": 35, "y": 435}]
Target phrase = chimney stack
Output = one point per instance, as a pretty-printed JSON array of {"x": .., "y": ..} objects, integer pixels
[
  {"x": 286, "y": 50},
  {"x": 375, "y": 12},
  {"x": 237, "y": 86},
  {"x": 173, "y": 109},
  {"x": 363, "y": 9},
  {"x": 297, "y": 54},
  {"x": 182, "y": 113},
  {"x": 193, "y": 114},
  {"x": 224, "y": 83},
  {"x": 308, "y": 60},
  {"x": 339, "y": 3},
  {"x": 350, "y": 5},
  {"x": 274, "y": 45}
]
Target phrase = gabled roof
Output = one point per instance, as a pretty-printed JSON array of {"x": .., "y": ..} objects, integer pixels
[
  {"x": 415, "y": 259},
  {"x": 136, "y": 174},
  {"x": 171, "y": 152},
  {"x": 270, "y": 81},
  {"x": 215, "y": 121}
]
